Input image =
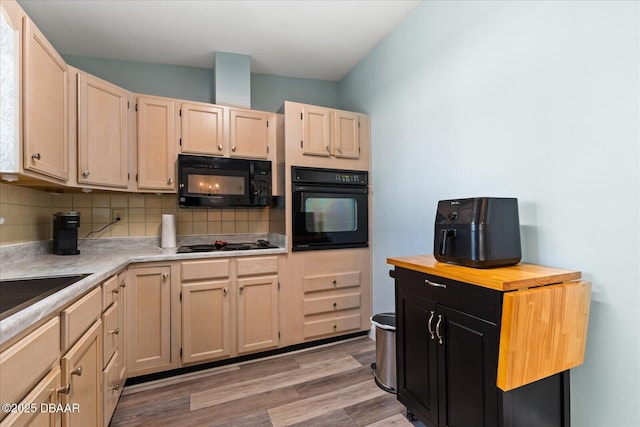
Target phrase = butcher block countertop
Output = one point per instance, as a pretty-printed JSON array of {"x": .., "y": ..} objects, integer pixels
[
  {"x": 543, "y": 330},
  {"x": 511, "y": 278}
]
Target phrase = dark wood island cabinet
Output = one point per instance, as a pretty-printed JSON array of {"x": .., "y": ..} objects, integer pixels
[{"x": 487, "y": 347}]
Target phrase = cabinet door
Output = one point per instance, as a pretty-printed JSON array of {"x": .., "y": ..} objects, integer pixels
[
  {"x": 467, "y": 356},
  {"x": 346, "y": 127},
  {"x": 257, "y": 320},
  {"x": 46, "y": 146},
  {"x": 45, "y": 393},
  {"x": 148, "y": 320},
  {"x": 202, "y": 129},
  {"x": 417, "y": 356},
  {"x": 156, "y": 144},
  {"x": 248, "y": 134},
  {"x": 206, "y": 320},
  {"x": 102, "y": 132},
  {"x": 316, "y": 131},
  {"x": 82, "y": 371}
]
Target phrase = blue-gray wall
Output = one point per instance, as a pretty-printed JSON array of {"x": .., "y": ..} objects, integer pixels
[
  {"x": 196, "y": 84},
  {"x": 269, "y": 92},
  {"x": 537, "y": 100}
]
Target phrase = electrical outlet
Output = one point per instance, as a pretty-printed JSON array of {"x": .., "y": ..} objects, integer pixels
[{"x": 119, "y": 213}]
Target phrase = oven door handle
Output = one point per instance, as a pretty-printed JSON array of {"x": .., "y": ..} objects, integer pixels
[{"x": 296, "y": 188}]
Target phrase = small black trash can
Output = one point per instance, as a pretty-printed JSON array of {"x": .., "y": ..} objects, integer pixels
[{"x": 384, "y": 370}]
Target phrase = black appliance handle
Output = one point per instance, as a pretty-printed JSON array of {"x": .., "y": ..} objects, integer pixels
[
  {"x": 343, "y": 189},
  {"x": 446, "y": 235}
]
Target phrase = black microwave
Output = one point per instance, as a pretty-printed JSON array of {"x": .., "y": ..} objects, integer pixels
[{"x": 212, "y": 182}]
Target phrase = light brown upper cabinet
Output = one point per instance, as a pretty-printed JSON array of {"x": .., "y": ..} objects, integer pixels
[
  {"x": 346, "y": 130},
  {"x": 45, "y": 98},
  {"x": 102, "y": 133},
  {"x": 330, "y": 133},
  {"x": 157, "y": 143},
  {"x": 316, "y": 128},
  {"x": 214, "y": 130},
  {"x": 202, "y": 129},
  {"x": 248, "y": 136},
  {"x": 325, "y": 137}
]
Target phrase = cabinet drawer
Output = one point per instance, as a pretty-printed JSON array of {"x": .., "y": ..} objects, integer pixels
[
  {"x": 331, "y": 281},
  {"x": 331, "y": 303},
  {"x": 475, "y": 300},
  {"x": 44, "y": 392},
  {"x": 257, "y": 265},
  {"x": 111, "y": 331},
  {"x": 113, "y": 385},
  {"x": 331, "y": 326},
  {"x": 110, "y": 292},
  {"x": 205, "y": 269},
  {"x": 23, "y": 364},
  {"x": 78, "y": 317}
]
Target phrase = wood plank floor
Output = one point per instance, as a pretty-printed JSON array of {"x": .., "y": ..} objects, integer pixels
[{"x": 323, "y": 386}]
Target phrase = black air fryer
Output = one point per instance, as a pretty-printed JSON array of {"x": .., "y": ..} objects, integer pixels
[
  {"x": 65, "y": 233},
  {"x": 480, "y": 232}
]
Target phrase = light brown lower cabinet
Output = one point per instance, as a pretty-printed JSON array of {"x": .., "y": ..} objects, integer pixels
[
  {"x": 113, "y": 330},
  {"x": 229, "y": 307},
  {"x": 42, "y": 402},
  {"x": 151, "y": 319},
  {"x": 26, "y": 362},
  {"x": 206, "y": 320},
  {"x": 82, "y": 376},
  {"x": 257, "y": 317},
  {"x": 336, "y": 292}
]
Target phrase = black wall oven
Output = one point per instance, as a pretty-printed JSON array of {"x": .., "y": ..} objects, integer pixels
[{"x": 329, "y": 208}]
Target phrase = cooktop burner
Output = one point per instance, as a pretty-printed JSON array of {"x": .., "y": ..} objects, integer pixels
[{"x": 223, "y": 246}]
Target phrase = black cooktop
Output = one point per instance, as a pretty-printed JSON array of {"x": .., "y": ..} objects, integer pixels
[
  {"x": 18, "y": 294},
  {"x": 214, "y": 247}
]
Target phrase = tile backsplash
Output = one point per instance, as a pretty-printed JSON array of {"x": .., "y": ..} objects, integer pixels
[{"x": 28, "y": 215}]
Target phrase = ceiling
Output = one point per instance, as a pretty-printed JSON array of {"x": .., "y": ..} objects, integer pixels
[{"x": 316, "y": 39}]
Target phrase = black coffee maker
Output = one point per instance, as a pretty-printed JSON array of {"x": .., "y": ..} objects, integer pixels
[{"x": 65, "y": 233}]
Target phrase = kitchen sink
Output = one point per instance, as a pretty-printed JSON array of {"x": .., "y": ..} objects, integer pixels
[{"x": 18, "y": 294}]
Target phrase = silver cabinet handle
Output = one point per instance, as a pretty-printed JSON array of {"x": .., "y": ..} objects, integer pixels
[
  {"x": 224, "y": 290},
  {"x": 241, "y": 288},
  {"x": 431, "y": 329},
  {"x": 77, "y": 371},
  {"x": 116, "y": 291},
  {"x": 434, "y": 284},
  {"x": 233, "y": 149},
  {"x": 116, "y": 331},
  {"x": 170, "y": 181},
  {"x": 85, "y": 173},
  {"x": 65, "y": 389},
  {"x": 438, "y": 329},
  {"x": 219, "y": 147},
  {"x": 165, "y": 276},
  {"x": 116, "y": 387},
  {"x": 35, "y": 156},
  {"x": 334, "y": 282}
]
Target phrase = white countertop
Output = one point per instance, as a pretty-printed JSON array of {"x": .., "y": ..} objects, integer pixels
[{"x": 101, "y": 258}]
